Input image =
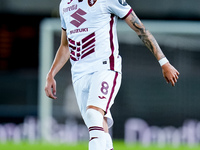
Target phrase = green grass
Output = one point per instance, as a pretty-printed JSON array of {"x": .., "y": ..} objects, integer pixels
[{"x": 118, "y": 145}]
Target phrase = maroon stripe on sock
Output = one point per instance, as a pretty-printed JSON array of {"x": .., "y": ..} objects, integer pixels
[
  {"x": 95, "y": 128},
  {"x": 92, "y": 138}
]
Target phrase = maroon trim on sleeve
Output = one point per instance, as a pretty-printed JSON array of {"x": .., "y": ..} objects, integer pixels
[
  {"x": 64, "y": 29},
  {"x": 127, "y": 14}
]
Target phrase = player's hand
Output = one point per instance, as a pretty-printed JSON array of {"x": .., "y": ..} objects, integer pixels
[
  {"x": 170, "y": 73},
  {"x": 50, "y": 88}
]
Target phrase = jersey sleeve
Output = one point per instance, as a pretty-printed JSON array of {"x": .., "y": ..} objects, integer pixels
[
  {"x": 63, "y": 25},
  {"x": 119, "y": 7}
]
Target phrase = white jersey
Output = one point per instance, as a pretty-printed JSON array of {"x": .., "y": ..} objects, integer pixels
[{"x": 92, "y": 35}]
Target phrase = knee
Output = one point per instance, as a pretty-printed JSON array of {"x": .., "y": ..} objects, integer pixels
[
  {"x": 93, "y": 118},
  {"x": 92, "y": 114},
  {"x": 97, "y": 109}
]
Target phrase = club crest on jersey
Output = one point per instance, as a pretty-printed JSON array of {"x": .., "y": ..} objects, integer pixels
[
  {"x": 91, "y": 2},
  {"x": 123, "y": 2}
]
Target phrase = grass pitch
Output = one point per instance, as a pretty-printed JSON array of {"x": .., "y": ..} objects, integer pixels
[{"x": 118, "y": 145}]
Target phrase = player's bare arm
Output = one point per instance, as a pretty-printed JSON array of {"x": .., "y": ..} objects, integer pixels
[
  {"x": 61, "y": 58},
  {"x": 169, "y": 72},
  {"x": 134, "y": 22}
]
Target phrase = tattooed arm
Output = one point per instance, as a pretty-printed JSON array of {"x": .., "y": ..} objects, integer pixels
[
  {"x": 169, "y": 72},
  {"x": 134, "y": 22}
]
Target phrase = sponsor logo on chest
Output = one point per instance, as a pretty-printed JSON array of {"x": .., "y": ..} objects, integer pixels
[
  {"x": 77, "y": 17},
  {"x": 70, "y": 8}
]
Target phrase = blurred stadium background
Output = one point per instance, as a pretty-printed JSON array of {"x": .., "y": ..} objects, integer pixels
[{"x": 146, "y": 109}]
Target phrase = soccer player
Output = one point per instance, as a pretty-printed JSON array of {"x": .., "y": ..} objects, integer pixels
[{"x": 89, "y": 40}]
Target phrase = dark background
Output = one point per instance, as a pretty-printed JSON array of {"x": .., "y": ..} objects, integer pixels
[{"x": 140, "y": 94}]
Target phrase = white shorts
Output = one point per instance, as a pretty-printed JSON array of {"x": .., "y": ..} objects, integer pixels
[{"x": 98, "y": 89}]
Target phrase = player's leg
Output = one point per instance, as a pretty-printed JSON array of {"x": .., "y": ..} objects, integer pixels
[
  {"x": 94, "y": 121},
  {"x": 104, "y": 87},
  {"x": 109, "y": 143},
  {"x": 99, "y": 132},
  {"x": 92, "y": 116}
]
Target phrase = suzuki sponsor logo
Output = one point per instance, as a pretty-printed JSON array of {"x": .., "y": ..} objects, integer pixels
[{"x": 79, "y": 20}]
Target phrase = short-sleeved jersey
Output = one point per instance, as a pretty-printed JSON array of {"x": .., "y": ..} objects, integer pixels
[{"x": 92, "y": 35}]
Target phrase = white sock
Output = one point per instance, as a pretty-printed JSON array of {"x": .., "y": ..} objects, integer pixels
[
  {"x": 97, "y": 140},
  {"x": 94, "y": 122},
  {"x": 109, "y": 143}
]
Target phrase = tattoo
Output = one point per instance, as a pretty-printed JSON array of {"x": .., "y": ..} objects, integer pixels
[
  {"x": 147, "y": 42},
  {"x": 137, "y": 24},
  {"x": 146, "y": 37}
]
